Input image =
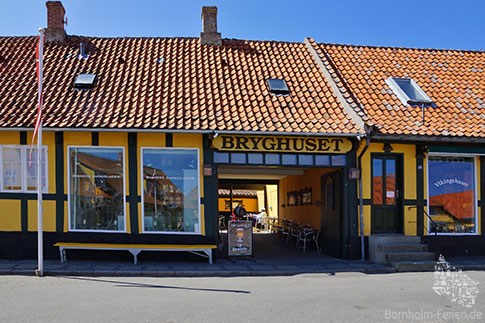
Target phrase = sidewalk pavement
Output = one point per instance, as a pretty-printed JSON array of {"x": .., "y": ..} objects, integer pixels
[
  {"x": 272, "y": 257},
  {"x": 221, "y": 268}
]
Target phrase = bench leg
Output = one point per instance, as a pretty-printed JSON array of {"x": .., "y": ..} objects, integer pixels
[
  {"x": 135, "y": 253},
  {"x": 62, "y": 254},
  {"x": 209, "y": 253}
]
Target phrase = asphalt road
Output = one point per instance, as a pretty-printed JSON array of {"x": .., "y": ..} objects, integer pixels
[{"x": 345, "y": 297}]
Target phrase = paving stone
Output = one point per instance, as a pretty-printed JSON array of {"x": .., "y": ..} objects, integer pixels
[
  {"x": 25, "y": 266},
  {"x": 160, "y": 268},
  {"x": 286, "y": 267},
  {"x": 183, "y": 268},
  {"x": 236, "y": 268},
  {"x": 6, "y": 265},
  {"x": 55, "y": 267},
  {"x": 261, "y": 267},
  {"x": 98, "y": 268},
  {"x": 211, "y": 268}
]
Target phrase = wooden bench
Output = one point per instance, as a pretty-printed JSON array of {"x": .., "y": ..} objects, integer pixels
[{"x": 200, "y": 250}]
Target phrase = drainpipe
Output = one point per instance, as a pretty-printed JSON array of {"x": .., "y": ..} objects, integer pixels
[{"x": 361, "y": 200}]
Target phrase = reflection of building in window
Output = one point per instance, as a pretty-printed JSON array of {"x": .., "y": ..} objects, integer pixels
[
  {"x": 452, "y": 194},
  {"x": 96, "y": 189},
  {"x": 170, "y": 190},
  {"x": 453, "y": 211},
  {"x": 377, "y": 191}
]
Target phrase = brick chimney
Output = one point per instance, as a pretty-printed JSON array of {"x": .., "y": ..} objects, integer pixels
[
  {"x": 55, "y": 22},
  {"x": 209, "y": 34}
]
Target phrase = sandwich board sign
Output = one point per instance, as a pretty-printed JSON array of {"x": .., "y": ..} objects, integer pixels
[{"x": 240, "y": 238}]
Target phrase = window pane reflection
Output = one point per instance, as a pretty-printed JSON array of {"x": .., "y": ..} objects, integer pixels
[
  {"x": 171, "y": 190},
  {"x": 452, "y": 194},
  {"x": 96, "y": 189},
  {"x": 390, "y": 181},
  {"x": 377, "y": 181}
]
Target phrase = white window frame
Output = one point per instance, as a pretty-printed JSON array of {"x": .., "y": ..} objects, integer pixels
[
  {"x": 69, "y": 191},
  {"x": 402, "y": 96},
  {"x": 143, "y": 192},
  {"x": 24, "y": 151},
  {"x": 475, "y": 195}
]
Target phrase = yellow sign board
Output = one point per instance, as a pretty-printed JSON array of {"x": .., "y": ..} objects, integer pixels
[{"x": 314, "y": 145}]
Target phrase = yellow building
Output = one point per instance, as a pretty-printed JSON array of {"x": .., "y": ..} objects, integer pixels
[{"x": 140, "y": 134}]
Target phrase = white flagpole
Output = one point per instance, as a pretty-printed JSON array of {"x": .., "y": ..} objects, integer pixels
[{"x": 40, "y": 243}]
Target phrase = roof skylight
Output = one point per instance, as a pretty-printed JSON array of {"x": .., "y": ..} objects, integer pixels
[
  {"x": 278, "y": 86},
  {"x": 85, "y": 81},
  {"x": 408, "y": 91}
]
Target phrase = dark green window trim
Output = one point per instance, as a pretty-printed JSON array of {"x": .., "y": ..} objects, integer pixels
[
  {"x": 133, "y": 182},
  {"x": 95, "y": 138},
  {"x": 457, "y": 149},
  {"x": 168, "y": 140}
]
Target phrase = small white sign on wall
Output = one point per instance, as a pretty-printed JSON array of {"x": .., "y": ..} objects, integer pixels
[{"x": 390, "y": 194}]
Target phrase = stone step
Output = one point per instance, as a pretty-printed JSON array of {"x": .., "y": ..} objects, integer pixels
[
  {"x": 403, "y": 247},
  {"x": 393, "y": 239},
  {"x": 403, "y": 266},
  {"x": 409, "y": 256}
]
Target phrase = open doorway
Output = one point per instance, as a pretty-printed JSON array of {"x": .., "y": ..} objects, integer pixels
[{"x": 288, "y": 208}]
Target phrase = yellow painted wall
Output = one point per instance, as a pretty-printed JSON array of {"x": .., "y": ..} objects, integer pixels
[
  {"x": 272, "y": 197},
  {"x": 48, "y": 217},
  {"x": 11, "y": 138},
  {"x": 260, "y": 200},
  {"x": 128, "y": 222},
  {"x": 10, "y": 215},
  {"x": 303, "y": 214},
  {"x": 11, "y": 220}
]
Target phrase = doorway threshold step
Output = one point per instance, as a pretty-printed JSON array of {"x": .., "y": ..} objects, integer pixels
[
  {"x": 403, "y": 247},
  {"x": 393, "y": 239},
  {"x": 409, "y": 256},
  {"x": 407, "y": 266}
]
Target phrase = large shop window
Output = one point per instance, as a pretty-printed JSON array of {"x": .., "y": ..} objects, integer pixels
[
  {"x": 171, "y": 190},
  {"x": 19, "y": 169},
  {"x": 96, "y": 189},
  {"x": 452, "y": 198}
]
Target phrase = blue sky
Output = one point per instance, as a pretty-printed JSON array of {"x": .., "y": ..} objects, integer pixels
[{"x": 411, "y": 23}]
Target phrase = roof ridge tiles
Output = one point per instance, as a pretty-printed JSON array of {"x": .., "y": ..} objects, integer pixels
[{"x": 403, "y": 47}]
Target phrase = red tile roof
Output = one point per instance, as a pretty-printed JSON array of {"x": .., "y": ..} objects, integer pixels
[
  {"x": 453, "y": 79},
  {"x": 169, "y": 83}
]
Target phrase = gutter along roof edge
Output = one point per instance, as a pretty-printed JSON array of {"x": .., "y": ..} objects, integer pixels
[{"x": 227, "y": 132}]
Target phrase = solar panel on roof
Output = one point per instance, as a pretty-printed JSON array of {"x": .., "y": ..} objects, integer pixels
[
  {"x": 278, "y": 86},
  {"x": 85, "y": 81}
]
